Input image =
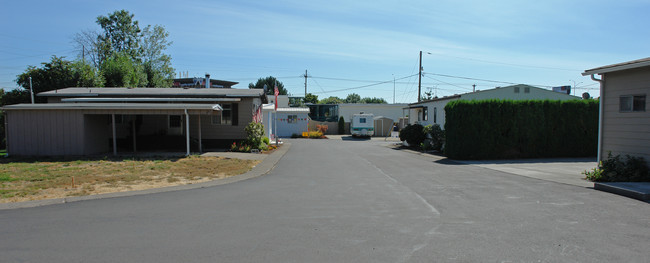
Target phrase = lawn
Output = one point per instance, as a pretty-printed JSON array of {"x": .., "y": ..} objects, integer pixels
[{"x": 28, "y": 179}]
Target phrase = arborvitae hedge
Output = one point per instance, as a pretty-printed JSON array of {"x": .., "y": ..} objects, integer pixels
[{"x": 505, "y": 129}]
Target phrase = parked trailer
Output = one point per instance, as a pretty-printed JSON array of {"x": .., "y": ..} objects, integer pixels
[{"x": 362, "y": 124}]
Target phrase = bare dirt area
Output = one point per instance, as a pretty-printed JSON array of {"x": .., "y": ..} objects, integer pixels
[{"x": 26, "y": 180}]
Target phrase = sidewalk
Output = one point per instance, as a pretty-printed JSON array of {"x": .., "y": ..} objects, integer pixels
[{"x": 560, "y": 170}]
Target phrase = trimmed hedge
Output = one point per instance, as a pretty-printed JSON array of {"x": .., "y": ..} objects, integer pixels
[{"x": 506, "y": 129}]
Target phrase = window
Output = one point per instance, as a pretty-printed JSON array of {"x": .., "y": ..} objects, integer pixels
[
  {"x": 516, "y": 89},
  {"x": 175, "y": 121},
  {"x": 425, "y": 113},
  {"x": 225, "y": 118},
  {"x": 292, "y": 119},
  {"x": 435, "y": 115},
  {"x": 527, "y": 90},
  {"x": 632, "y": 103},
  {"x": 362, "y": 120}
]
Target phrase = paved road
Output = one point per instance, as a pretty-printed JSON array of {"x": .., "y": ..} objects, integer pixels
[{"x": 342, "y": 201}]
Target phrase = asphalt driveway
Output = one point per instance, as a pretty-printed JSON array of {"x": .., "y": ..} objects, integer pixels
[{"x": 342, "y": 201}]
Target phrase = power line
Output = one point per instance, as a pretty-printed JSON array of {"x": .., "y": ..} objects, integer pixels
[
  {"x": 365, "y": 86},
  {"x": 486, "y": 80},
  {"x": 507, "y": 64}
]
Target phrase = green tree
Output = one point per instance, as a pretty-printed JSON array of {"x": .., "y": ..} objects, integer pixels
[
  {"x": 59, "y": 74},
  {"x": 157, "y": 65},
  {"x": 15, "y": 96},
  {"x": 331, "y": 100},
  {"x": 121, "y": 34},
  {"x": 270, "y": 83},
  {"x": 353, "y": 98},
  {"x": 311, "y": 98},
  {"x": 120, "y": 71},
  {"x": 373, "y": 100}
]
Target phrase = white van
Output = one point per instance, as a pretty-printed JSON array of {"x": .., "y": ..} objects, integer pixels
[{"x": 362, "y": 124}]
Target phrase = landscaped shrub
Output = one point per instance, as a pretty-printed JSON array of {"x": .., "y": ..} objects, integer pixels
[
  {"x": 437, "y": 136},
  {"x": 255, "y": 139},
  {"x": 341, "y": 125},
  {"x": 315, "y": 135},
  {"x": 255, "y": 135},
  {"x": 413, "y": 134},
  {"x": 615, "y": 169},
  {"x": 502, "y": 129}
]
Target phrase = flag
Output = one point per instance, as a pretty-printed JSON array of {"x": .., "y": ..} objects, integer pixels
[{"x": 276, "y": 92}]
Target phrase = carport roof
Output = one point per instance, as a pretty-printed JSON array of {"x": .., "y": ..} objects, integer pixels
[
  {"x": 153, "y": 92},
  {"x": 113, "y": 106}
]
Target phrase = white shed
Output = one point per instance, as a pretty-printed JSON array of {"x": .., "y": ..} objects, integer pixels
[{"x": 289, "y": 120}]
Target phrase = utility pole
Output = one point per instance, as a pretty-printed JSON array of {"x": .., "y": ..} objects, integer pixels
[
  {"x": 474, "y": 88},
  {"x": 31, "y": 90},
  {"x": 393, "y": 88},
  {"x": 305, "y": 83},
  {"x": 83, "y": 53},
  {"x": 420, "y": 78}
]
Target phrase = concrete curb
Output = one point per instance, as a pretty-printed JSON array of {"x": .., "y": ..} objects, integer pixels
[
  {"x": 261, "y": 169},
  {"x": 639, "y": 191}
]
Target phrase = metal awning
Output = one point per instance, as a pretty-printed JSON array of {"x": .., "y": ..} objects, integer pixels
[
  {"x": 114, "y": 106},
  {"x": 95, "y": 100}
]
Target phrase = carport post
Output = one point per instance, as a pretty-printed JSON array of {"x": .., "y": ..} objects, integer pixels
[
  {"x": 114, "y": 135},
  {"x": 200, "y": 142},
  {"x": 187, "y": 132}
]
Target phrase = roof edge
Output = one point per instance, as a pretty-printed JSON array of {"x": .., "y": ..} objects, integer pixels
[{"x": 644, "y": 62}]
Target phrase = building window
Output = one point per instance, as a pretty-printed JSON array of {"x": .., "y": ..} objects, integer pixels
[
  {"x": 225, "y": 118},
  {"x": 527, "y": 90},
  {"x": 516, "y": 89},
  {"x": 632, "y": 103},
  {"x": 175, "y": 121},
  {"x": 435, "y": 115},
  {"x": 425, "y": 113},
  {"x": 292, "y": 119}
]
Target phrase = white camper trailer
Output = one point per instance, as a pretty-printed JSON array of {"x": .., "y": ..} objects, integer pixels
[{"x": 362, "y": 124}]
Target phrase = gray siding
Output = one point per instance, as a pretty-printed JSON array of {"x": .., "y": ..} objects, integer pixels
[
  {"x": 97, "y": 134},
  {"x": 54, "y": 132},
  {"x": 626, "y": 132}
]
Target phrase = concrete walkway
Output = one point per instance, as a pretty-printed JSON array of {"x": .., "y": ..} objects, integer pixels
[{"x": 564, "y": 170}]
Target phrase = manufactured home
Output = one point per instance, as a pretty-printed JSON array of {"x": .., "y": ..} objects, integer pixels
[{"x": 85, "y": 121}]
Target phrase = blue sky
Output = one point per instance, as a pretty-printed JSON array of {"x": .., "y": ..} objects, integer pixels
[{"x": 355, "y": 46}]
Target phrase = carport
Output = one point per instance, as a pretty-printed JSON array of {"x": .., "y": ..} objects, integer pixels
[{"x": 84, "y": 128}]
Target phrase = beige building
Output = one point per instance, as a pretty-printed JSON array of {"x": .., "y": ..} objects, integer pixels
[
  {"x": 83, "y": 121},
  {"x": 433, "y": 111},
  {"x": 624, "y": 124}
]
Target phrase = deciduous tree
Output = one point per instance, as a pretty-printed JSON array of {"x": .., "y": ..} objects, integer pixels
[{"x": 270, "y": 83}]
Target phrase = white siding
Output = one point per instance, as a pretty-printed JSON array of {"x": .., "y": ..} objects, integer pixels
[{"x": 626, "y": 132}]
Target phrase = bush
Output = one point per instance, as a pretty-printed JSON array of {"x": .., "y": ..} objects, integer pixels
[
  {"x": 341, "y": 125},
  {"x": 255, "y": 135},
  {"x": 314, "y": 135},
  {"x": 615, "y": 169},
  {"x": 413, "y": 134},
  {"x": 266, "y": 140},
  {"x": 437, "y": 136}
]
